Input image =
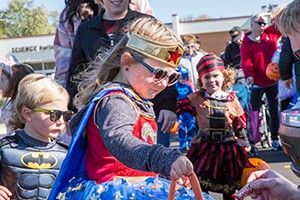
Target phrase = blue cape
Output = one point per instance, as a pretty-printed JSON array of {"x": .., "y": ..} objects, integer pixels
[{"x": 73, "y": 165}]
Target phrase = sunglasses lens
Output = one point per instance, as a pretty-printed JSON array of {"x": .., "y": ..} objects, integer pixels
[
  {"x": 173, "y": 78},
  {"x": 261, "y": 23},
  {"x": 54, "y": 115},
  {"x": 159, "y": 74},
  {"x": 67, "y": 116}
]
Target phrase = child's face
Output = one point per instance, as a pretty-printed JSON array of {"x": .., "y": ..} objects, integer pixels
[
  {"x": 212, "y": 81},
  {"x": 41, "y": 127},
  {"x": 142, "y": 80},
  {"x": 4, "y": 82}
]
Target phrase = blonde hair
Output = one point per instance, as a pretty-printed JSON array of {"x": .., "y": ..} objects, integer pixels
[
  {"x": 229, "y": 78},
  {"x": 189, "y": 38},
  {"x": 107, "y": 64},
  {"x": 37, "y": 89},
  {"x": 287, "y": 18}
]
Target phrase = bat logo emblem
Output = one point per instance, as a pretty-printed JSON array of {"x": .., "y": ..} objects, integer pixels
[{"x": 39, "y": 160}]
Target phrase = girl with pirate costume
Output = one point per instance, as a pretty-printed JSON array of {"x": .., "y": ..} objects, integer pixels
[
  {"x": 12, "y": 73},
  {"x": 115, "y": 129},
  {"x": 217, "y": 151}
]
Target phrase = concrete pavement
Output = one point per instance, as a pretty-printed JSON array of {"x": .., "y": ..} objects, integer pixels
[{"x": 277, "y": 160}]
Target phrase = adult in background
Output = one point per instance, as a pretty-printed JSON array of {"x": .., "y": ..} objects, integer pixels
[
  {"x": 257, "y": 50},
  {"x": 288, "y": 66},
  {"x": 99, "y": 34},
  {"x": 75, "y": 12},
  {"x": 142, "y": 6},
  {"x": 232, "y": 52},
  {"x": 270, "y": 184},
  {"x": 287, "y": 59}
]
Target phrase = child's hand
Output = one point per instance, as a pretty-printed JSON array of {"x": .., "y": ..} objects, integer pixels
[
  {"x": 185, "y": 181},
  {"x": 5, "y": 194},
  {"x": 181, "y": 166}
]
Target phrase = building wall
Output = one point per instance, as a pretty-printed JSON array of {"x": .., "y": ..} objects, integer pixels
[
  {"x": 213, "y": 33},
  {"x": 214, "y": 42},
  {"x": 38, "y": 50}
]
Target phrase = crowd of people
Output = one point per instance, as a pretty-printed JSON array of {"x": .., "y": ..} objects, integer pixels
[{"x": 119, "y": 87}]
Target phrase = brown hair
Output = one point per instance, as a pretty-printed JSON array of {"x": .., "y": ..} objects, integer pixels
[
  {"x": 19, "y": 71},
  {"x": 229, "y": 79}
]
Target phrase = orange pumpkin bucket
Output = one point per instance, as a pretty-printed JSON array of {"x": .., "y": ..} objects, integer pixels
[
  {"x": 175, "y": 128},
  {"x": 258, "y": 164},
  {"x": 272, "y": 71}
]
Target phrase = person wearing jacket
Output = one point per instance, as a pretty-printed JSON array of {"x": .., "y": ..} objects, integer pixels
[
  {"x": 100, "y": 34},
  {"x": 286, "y": 65},
  {"x": 75, "y": 12},
  {"x": 257, "y": 50},
  {"x": 94, "y": 35}
]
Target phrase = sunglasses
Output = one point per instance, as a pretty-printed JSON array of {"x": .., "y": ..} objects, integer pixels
[
  {"x": 190, "y": 46},
  {"x": 260, "y": 23},
  {"x": 297, "y": 54},
  {"x": 159, "y": 74},
  {"x": 55, "y": 114}
]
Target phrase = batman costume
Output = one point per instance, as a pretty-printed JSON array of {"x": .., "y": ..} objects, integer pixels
[{"x": 29, "y": 166}]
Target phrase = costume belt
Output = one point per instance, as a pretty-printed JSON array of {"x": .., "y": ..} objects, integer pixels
[{"x": 216, "y": 135}]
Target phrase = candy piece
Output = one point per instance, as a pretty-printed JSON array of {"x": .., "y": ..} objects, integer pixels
[{"x": 242, "y": 193}]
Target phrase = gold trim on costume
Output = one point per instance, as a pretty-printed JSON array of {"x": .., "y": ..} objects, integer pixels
[
  {"x": 219, "y": 187},
  {"x": 168, "y": 54}
]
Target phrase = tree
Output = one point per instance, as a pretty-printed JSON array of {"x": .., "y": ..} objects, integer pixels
[{"x": 22, "y": 19}]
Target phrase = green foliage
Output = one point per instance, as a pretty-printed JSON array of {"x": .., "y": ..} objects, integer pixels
[{"x": 22, "y": 19}]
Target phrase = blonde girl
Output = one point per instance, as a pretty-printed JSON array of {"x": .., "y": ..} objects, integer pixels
[{"x": 120, "y": 130}]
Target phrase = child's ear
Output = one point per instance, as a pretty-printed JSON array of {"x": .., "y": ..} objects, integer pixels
[
  {"x": 126, "y": 59},
  {"x": 26, "y": 113}
]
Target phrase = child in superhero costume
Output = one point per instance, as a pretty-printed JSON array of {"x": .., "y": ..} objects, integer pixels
[
  {"x": 31, "y": 158},
  {"x": 115, "y": 129},
  {"x": 217, "y": 151},
  {"x": 186, "y": 119}
]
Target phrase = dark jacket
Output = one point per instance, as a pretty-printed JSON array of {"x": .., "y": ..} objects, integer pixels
[
  {"x": 166, "y": 100},
  {"x": 232, "y": 55},
  {"x": 286, "y": 63},
  {"x": 90, "y": 37}
]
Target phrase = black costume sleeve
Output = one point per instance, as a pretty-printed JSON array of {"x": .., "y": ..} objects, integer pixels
[
  {"x": 166, "y": 100},
  {"x": 286, "y": 60}
]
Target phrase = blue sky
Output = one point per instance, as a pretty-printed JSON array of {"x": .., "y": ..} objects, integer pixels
[{"x": 163, "y": 9}]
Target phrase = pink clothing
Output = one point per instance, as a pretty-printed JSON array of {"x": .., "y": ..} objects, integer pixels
[
  {"x": 8, "y": 114},
  {"x": 256, "y": 56},
  {"x": 142, "y": 6},
  {"x": 63, "y": 44}
]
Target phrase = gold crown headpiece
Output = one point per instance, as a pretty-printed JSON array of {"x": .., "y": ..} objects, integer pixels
[{"x": 168, "y": 54}]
